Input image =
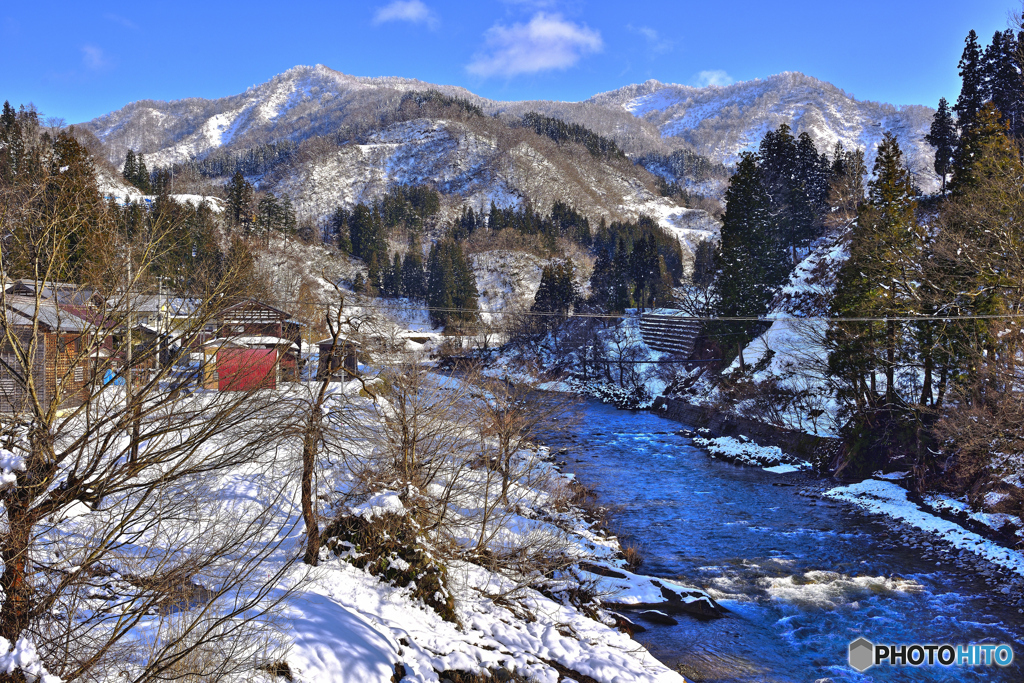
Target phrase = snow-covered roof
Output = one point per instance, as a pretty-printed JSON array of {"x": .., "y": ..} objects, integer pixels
[{"x": 257, "y": 340}]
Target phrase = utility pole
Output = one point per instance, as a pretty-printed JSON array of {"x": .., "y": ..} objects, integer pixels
[{"x": 159, "y": 319}]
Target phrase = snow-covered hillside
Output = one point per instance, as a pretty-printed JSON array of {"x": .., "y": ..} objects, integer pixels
[
  {"x": 722, "y": 121},
  {"x": 294, "y": 105}
]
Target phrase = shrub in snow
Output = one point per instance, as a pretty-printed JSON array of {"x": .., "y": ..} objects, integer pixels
[
  {"x": 387, "y": 544},
  {"x": 636, "y": 398}
]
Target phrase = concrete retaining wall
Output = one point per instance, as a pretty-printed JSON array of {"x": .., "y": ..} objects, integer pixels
[{"x": 814, "y": 448}]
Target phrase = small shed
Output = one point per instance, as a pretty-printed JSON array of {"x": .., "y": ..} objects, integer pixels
[
  {"x": 230, "y": 366},
  {"x": 341, "y": 364}
]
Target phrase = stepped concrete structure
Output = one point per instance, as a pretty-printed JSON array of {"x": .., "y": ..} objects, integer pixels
[{"x": 670, "y": 331}]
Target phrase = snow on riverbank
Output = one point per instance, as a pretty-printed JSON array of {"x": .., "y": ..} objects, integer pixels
[
  {"x": 887, "y": 498},
  {"x": 770, "y": 458}
]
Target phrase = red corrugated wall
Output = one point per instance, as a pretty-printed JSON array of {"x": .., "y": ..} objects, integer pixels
[{"x": 247, "y": 369}]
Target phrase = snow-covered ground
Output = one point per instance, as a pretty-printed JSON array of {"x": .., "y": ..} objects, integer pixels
[
  {"x": 889, "y": 499},
  {"x": 338, "y": 622}
]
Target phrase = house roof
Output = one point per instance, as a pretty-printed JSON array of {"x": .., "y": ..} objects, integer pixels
[
  {"x": 257, "y": 340},
  {"x": 251, "y": 309},
  {"x": 54, "y": 317}
]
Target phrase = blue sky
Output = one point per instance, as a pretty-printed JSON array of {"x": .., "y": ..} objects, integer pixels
[{"x": 78, "y": 60}]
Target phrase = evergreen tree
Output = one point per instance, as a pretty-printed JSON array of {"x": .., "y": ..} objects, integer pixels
[
  {"x": 881, "y": 278},
  {"x": 129, "y": 173},
  {"x": 1002, "y": 78},
  {"x": 451, "y": 285},
  {"x": 413, "y": 280},
  {"x": 622, "y": 289},
  {"x": 392, "y": 285},
  {"x": 373, "y": 273},
  {"x": 558, "y": 291},
  {"x": 988, "y": 125},
  {"x": 972, "y": 74},
  {"x": 795, "y": 179},
  {"x": 752, "y": 259},
  {"x": 141, "y": 180},
  {"x": 644, "y": 269},
  {"x": 339, "y": 229},
  {"x": 359, "y": 284},
  {"x": 943, "y": 137},
  {"x": 846, "y": 188},
  {"x": 240, "y": 196}
]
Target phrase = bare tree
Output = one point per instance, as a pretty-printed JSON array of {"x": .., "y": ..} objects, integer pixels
[{"x": 123, "y": 543}]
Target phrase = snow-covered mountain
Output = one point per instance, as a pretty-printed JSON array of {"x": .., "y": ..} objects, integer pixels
[
  {"x": 300, "y": 103},
  {"x": 722, "y": 121},
  {"x": 353, "y": 137}
]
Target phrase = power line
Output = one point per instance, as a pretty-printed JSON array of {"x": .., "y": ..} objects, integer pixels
[{"x": 684, "y": 318}]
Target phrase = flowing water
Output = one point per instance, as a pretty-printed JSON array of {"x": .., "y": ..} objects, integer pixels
[{"x": 801, "y": 577}]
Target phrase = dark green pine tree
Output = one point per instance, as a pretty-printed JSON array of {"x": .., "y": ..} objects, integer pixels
[
  {"x": 413, "y": 278},
  {"x": 495, "y": 218},
  {"x": 972, "y": 90},
  {"x": 558, "y": 291},
  {"x": 367, "y": 234},
  {"x": 373, "y": 274},
  {"x": 339, "y": 230},
  {"x": 240, "y": 195},
  {"x": 129, "y": 173},
  {"x": 880, "y": 279},
  {"x": 815, "y": 170},
  {"x": 644, "y": 270},
  {"x": 752, "y": 261},
  {"x": 440, "y": 284},
  {"x": 1003, "y": 80},
  {"x": 943, "y": 137},
  {"x": 392, "y": 285},
  {"x": 11, "y": 144},
  {"x": 989, "y": 126},
  {"x": 782, "y": 180},
  {"x": 622, "y": 279},
  {"x": 142, "y": 180},
  {"x": 451, "y": 285}
]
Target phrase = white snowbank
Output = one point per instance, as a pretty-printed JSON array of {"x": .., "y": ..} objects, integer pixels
[
  {"x": 886, "y": 498},
  {"x": 771, "y": 458}
]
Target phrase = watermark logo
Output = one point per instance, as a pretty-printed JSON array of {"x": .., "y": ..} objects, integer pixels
[{"x": 864, "y": 654}]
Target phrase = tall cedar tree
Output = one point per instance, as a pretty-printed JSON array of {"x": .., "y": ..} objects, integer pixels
[
  {"x": 972, "y": 91},
  {"x": 752, "y": 261},
  {"x": 240, "y": 196},
  {"x": 881, "y": 278},
  {"x": 451, "y": 285},
  {"x": 558, "y": 291},
  {"x": 983, "y": 236},
  {"x": 1002, "y": 79},
  {"x": 943, "y": 137},
  {"x": 413, "y": 279}
]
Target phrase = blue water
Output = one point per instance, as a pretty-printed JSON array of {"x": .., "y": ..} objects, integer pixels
[{"x": 801, "y": 576}]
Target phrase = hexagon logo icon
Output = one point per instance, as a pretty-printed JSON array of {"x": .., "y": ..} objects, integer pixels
[{"x": 862, "y": 654}]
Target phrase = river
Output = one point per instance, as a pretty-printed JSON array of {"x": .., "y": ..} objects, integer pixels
[{"x": 801, "y": 576}]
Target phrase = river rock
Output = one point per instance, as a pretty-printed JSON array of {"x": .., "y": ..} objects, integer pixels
[{"x": 656, "y": 617}]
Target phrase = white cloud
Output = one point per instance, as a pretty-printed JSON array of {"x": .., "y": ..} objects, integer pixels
[
  {"x": 547, "y": 42},
  {"x": 93, "y": 57},
  {"x": 413, "y": 11},
  {"x": 123, "y": 21},
  {"x": 713, "y": 77},
  {"x": 655, "y": 42}
]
